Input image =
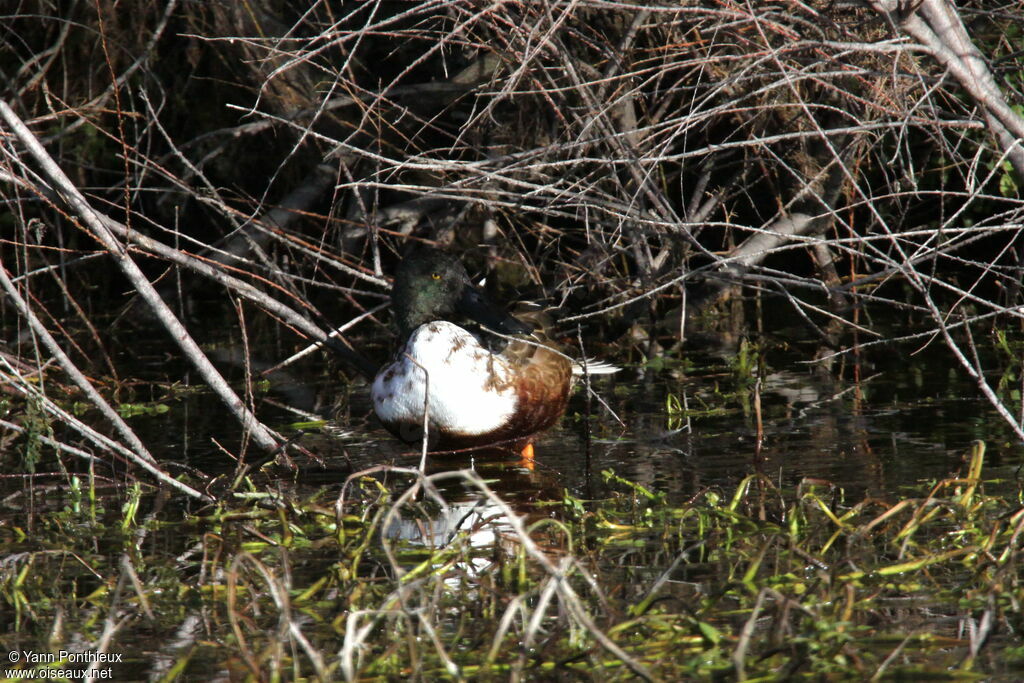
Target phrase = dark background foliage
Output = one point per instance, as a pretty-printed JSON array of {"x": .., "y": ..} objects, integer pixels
[{"x": 638, "y": 165}]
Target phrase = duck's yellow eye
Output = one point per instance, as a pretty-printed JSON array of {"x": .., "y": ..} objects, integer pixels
[{"x": 436, "y": 276}]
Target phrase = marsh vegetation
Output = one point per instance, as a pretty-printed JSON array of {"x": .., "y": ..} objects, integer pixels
[{"x": 796, "y": 226}]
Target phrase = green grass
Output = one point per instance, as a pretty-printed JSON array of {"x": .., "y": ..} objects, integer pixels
[{"x": 754, "y": 583}]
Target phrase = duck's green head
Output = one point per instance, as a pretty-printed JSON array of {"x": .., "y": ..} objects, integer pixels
[{"x": 431, "y": 285}]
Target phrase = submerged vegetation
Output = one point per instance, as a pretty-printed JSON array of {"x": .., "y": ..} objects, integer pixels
[{"x": 392, "y": 577}]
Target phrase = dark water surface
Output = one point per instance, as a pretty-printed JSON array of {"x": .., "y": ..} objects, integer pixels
[
  {"x": 896, "y": 422},
  {"x": 885, "y": 424}
]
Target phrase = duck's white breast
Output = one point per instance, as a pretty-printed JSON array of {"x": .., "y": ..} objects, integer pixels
[{"x": 471, "y": 391}]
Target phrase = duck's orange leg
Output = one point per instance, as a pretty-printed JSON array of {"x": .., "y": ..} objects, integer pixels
[{"x": 526, "y": 455}]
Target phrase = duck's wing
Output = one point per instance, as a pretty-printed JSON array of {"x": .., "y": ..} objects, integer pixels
[{"x": 542, "y": 320}]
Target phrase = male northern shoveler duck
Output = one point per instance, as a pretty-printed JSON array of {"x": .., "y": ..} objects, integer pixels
[{"x": 477, "y": 396}]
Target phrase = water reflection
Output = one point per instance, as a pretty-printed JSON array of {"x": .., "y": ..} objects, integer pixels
[
  {"x": 866, "y": 440},
  {"x": 886, "y": 428},
  {"x": 478, "y": 519},
  {"x": 455, "y": 504}
]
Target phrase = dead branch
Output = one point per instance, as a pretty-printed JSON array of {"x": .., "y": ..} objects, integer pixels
[{"x": 263, "y": 436}]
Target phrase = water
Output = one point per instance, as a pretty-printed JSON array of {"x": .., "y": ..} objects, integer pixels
[
  {"x": 871, "y": 429},
  {"x": 876, "y": 427}
]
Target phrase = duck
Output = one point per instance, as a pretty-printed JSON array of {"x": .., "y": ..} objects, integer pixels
[{"x": 479, "y": 389}]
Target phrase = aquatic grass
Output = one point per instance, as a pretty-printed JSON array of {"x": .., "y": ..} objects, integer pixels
[{"x": 752, "y": 582}]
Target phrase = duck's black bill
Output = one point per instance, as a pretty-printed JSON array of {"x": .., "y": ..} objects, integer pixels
[{"x": 475, "y": 305}]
